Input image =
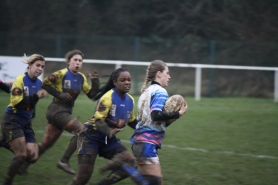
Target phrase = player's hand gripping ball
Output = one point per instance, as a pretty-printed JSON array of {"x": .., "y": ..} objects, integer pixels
[{"x": 173, "y": 103}]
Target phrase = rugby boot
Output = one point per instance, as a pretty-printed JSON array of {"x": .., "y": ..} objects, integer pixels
[{"x": 65, "y": 167}]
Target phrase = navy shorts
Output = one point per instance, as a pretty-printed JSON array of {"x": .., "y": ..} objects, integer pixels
[
  {"x": 91, "y": 141},
  {"x": 14, "y": 126}
]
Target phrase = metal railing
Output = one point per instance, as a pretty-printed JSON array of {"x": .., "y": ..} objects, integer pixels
[{"x": 198, "y": 70}]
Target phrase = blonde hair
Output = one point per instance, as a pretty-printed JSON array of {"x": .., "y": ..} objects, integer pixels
[
  {"x": 32, "y": 59},
  {"x": 153, "y": 68}
]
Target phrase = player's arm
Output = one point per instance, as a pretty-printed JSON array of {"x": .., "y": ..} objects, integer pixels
[
  {"x": 18, "y": 100},
  {"x": 132, "y": 121},
  {"x": 91, "y": 91},
  {"x": 156, "y": 107},
  {"x": 157, "y": 115},
  {"x": 48, "y": 83},
  {"x": 4, "y": 87},
  {"x": 133, "y": 124},
  {"x": 102, "y": 110}
]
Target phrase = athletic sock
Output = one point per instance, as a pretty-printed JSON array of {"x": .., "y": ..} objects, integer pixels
[
  {"x": 135, "y": 174},
  {"x": 70, "y": 150},
  {"x": 114, "y": 177}
]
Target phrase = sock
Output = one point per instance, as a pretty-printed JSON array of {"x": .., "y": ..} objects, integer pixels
[
  {"x": 113, "y": 177},
  {"x": 12, "y": 170},
  {"x": 135, "y": 174},
  {"x": 70, "y": 150}
]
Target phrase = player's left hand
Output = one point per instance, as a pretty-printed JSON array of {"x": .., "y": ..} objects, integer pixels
[
  {"x": 42, "y": 93},
  {"x": 114, "y": 132},
  {"x": 95, "y": 75}
]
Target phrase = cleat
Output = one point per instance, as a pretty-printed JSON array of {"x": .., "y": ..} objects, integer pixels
[
  {"x": 65, "y": 167},
  {"x": 115, "y": 163}
]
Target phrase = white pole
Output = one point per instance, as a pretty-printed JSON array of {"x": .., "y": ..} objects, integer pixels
[
  {"x": 198, "y": 77},
  {"x": 276, "y": 86},
  {"x": 118, "y": 65}
]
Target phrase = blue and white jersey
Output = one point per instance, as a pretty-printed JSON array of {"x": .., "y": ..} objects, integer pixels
[{"x": 147, "y": 130}]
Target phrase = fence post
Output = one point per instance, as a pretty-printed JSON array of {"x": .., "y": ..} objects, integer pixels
[
  {"x": 198, "y": 77},
  {"x": 58, "y": 49},
  {"x": 276, "y": 86},
  {"x": 135, "y": 68},
  {"x": 118, "y": 65},
  {"x": 211, "y": 71}
]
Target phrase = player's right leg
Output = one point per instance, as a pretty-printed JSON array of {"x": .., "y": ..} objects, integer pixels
[
  {"x": 63, "y": 164},
  {"x": 13, "y": 132},
  {"x": 87, "y": 153},
  {"x": 18, "y": 145},
  {"x": 52, "y": 133},
  {"x": 148, "y": 162},
  {"x": 122, "y": 165},
  {"x": 75, "y": 127}
]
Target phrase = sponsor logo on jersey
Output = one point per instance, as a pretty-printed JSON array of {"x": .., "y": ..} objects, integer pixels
[
  {"x": 67, "y": 84},
  {"x": 101, "y": 107},
  {"x": 26, "y": 91},
  {"x": 52, "y": 78},
  {"x": 113, "y": 110},
  {"x": 16, "y": 91},
  {"x": 128, "y": 114}
]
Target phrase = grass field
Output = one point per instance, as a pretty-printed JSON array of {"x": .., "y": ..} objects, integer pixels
[{"x": 220, "y": 141}]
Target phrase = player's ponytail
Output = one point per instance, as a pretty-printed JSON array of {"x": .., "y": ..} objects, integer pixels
[{"x": 153, "y": 68}]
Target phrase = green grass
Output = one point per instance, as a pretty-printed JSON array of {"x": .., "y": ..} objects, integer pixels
[{"x": 230, "y": 141}]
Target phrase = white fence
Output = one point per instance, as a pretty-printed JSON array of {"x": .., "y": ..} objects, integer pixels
[{"x": 198, "y": 68}]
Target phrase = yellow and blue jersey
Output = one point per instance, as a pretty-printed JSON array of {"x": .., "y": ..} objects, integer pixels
[
  {"x": 116, "y": 111},
  {"x": 65, "y": 81},
  {"x": 24, "y": 98}
]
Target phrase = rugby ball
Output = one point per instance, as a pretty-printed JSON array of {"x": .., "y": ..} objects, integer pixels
[{"x": 173, "y": 103}]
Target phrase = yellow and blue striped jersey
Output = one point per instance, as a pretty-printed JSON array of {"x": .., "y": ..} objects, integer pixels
[
  {"x": 116, "y": 111},
  {"x": 65, "y": 81},
  {"x": 23, "y": 97}
]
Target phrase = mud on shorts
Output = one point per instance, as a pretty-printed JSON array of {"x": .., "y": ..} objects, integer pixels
[
  {"x": 145, "y": 153},
  {"x": 93, "y": 142},
  {"x": 14, "y": 126},
  {"x": 59, "y": 114}
]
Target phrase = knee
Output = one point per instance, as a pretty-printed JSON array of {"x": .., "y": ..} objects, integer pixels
[
  {"x": 32, "y": 159},
  {"x": 74, "y": 127},
  {"x": 21, "y": 157},
  {"x": 131, "y": 161}
]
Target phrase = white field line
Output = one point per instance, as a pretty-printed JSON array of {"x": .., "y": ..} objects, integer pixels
[{"x": 194, "y": 149}]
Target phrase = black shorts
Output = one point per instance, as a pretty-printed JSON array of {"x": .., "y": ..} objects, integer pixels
[
  {"x": 59, "y": 114},
  {"x": 14, "y": 126}
]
